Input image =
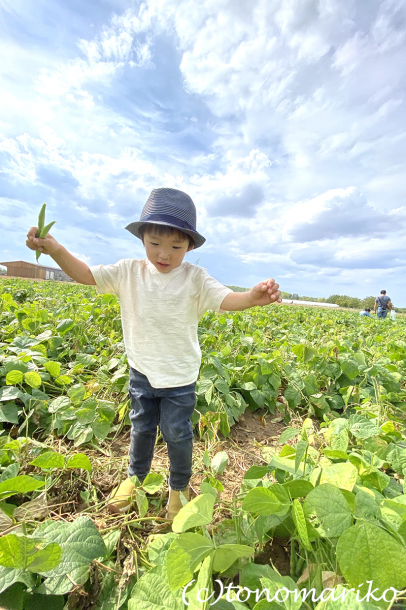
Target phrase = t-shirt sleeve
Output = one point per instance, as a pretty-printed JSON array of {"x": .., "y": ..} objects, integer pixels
[
  {"x": 212, "y": 294},
  {"x": 108, "y": 277}
]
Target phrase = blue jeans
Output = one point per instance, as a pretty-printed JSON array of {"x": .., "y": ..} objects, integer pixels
[
  {"x": 172, "y": 409},
  {"x": 381, "y": 313}
]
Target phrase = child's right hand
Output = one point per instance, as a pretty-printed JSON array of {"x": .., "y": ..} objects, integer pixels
[{"x": 48, "y": 245}]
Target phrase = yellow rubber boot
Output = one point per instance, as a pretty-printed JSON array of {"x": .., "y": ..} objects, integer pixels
[
  {"x": 174, "y": 502},
  {"x": 121, "y": 498}
]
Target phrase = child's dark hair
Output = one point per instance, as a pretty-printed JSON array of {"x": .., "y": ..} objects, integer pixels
[{"x": 164, "y": 230}]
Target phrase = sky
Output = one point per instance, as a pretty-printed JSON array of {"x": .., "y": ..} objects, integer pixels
[{"x": 284, "y": 121}]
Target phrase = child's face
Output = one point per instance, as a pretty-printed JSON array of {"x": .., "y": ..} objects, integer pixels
[{"x": 165, "y": 252}]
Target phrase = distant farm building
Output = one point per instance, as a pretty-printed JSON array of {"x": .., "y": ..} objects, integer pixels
[{"x": 40, "y": 272}]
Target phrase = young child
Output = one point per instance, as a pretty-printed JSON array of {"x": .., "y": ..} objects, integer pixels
[{"x": 162, "y": 298}]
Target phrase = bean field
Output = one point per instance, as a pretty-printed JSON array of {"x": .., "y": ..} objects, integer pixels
[{"x": 310, "y": 497}]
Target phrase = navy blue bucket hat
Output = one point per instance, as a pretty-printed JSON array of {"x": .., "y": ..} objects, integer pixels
[{"x": 171, "y": 208}]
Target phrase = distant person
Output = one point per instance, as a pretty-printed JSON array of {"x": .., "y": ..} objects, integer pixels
[
  {"x": 383, "y": 304},
  {"x": 365, "y": 312}
]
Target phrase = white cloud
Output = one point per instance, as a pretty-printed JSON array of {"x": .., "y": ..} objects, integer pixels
[{"x": 284, "y": 120}]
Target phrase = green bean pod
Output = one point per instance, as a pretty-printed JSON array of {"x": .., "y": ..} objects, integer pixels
[
  {"x": 41, "y": 220},
  {"x": 42, "y": 231},
  {"x": 46, "y": 230}
]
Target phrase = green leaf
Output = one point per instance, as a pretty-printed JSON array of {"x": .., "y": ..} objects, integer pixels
[
  {"x": 298, "y": 350},
  {"x": 300, "y": 523},
  {"x": 87, "y": 413},
  {"x": 287, "y": 435},
  {"x": 285, "y": 464},
  {"x": 367, "y": 552},
  {"x": 9, "y": 393},
  {"x": 204, "y": 385},
  {"x": 261, "y": 501},
  {"x": 62, "y": 403},
  {"x": 50, "y": 459},
  {"x": 112, "y": 363},
  {"x": 298, "y": 488},
  {"x": 350, "y": 368},
  {"x": 101, "y": 427},
  {"x": 33, "y": 379},
  {"x": 153, "y": 482},
  {"x": 335, "y": 454},
  {"x": 110, "y": 540},
  {"x": 152, "y": 592},
  {"x": 65, "y": 326},
  {"x": 375, "y": 477},
  {"x": 396, "y": 457},
  {"x": 53, "y": 368},
  {"x": 14, "y": 377},
  {"x": 206, "y": 488},
  {"x": 249, "y": 386},
  {"x": 21, "y": 552},
  {"x": 142, "y": 502},
  {"x": 280, "y": 583},
  {"x": 82, "y": 435},
  {"x": 158, "y": 547},
  {"x": 9, "y": 413},
  {"x": 251, "y": 574},
  {"x": 81, "y": 542},
  {"x": 79, "y": 460},
  {"x": 361, "y": 427},
  {"x": 327, "y": 510},
  {"x": 308, "y": 353},
  {"x": 77, "y": 392},
  {"x": 256, "y": 472},
  {"x": 204, "y": 585},
  {"x": 107, "y": 410},
  {"x": 9, "y": 576},
  {"x": 219, "y": 462},
  {"x": 206, "y": 458},
  {"x": 342, "y": 475},
  {"x": 340, "y": 440},
  {"x": 222, "y": 386},
  {"x": 365, "y": 505},
  {"x": 86, "y": 359},
  {"x": 292, "y": 396},
  {"x": 310, "y": 385},
  {"x": 18, "y": 485},
  {"x": 226, "y": 554},
  {"x": 184, "y": 555},
  {"x": 14, "y": 364},
  {"x": 198, "y": 511},
  {"x": 10, "y": 472},
  {"x": 301, "y": 449}
]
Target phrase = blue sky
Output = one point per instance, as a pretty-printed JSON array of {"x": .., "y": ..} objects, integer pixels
[{"x": 285, "y": 121}]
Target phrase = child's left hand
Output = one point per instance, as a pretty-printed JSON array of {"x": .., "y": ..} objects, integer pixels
[{"x": 265, "y": 293}]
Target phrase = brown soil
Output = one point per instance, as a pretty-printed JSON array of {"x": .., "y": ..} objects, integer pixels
[{"x": 277, "y": 553}]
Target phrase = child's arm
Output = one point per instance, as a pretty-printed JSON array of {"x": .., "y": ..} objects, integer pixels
[
  {"x": 76, "y": 269},
  {"x": 263, "y": 293}
]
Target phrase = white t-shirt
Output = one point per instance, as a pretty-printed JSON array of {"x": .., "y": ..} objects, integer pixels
[{"x": 160, "y": 314}]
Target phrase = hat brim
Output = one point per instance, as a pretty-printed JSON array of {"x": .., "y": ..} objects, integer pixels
[{"x": 134, "y": 228}]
